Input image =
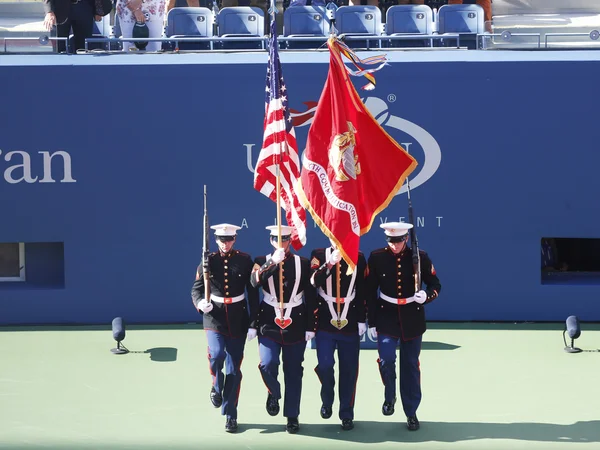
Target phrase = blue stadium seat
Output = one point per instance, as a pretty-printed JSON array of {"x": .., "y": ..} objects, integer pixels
[
  {"x": 359, "y": 21},
  {"x": 409, "y": 19},
  {"x": 190, "y": 22},
  {"x": 306, "y": 21},
  {"x": 241, "y": 21},
  {"x": 466, "y": 20}
]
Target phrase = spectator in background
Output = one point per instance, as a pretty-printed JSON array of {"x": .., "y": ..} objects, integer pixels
[
  {"x": 182, "y": 4},
  {"x": 78, "y": 15},
  {"x": 550, "y": 256},
  {"x": 150, "y": 12},
  {"x": 485, "y": 4}
]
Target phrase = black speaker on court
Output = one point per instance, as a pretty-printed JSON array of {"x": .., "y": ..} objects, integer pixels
[
  {"x": 118, "y": 331},
  {"x": 573, "y": 329}
]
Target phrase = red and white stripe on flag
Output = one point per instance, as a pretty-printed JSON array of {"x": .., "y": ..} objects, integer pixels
[{"x": 280, "y": 151}]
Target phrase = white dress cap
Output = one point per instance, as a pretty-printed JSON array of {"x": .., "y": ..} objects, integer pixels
[
  {"x": 225, "y": 229},
  {"x": 285, "y": 230},
  {"x": 394, "y": 229}
]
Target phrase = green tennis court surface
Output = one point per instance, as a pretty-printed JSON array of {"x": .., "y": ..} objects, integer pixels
[{"x": 492, "y": 386}]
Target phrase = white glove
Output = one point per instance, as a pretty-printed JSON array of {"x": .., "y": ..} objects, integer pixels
[
  {"x": 205, "y": 306},
  {"x": 420, "y": 297},
  {"x": 373, "y": 333},
  {"x": 278, "y": 255},
  {"x": 362, "y": 328},
  {"x": 251, "y": 333},
  {"x": 309, "y": 335},
  {"x": 335, "y": 257}
]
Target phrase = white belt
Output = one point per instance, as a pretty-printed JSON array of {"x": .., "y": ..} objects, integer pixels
[
  {"x": 272, "y": 300},
  {"x": 287, "y": 308},
  {"x": 396, "y": 301},
  {"x": 344, "y": 313},
  {"x": 329, "y": 298},
  {"x": 227, "y": 300}
]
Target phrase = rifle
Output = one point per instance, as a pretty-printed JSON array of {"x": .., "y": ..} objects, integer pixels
[
  {"x": 205, "y": 253},
  {"x": 416, "y": 258}
]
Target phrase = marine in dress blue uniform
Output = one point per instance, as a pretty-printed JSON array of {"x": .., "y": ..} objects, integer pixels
[
  {"x": 338, "y": 331},
  {"x": 396, "y": 316},
  {"x": 284, "y": 331},
  {"x": 233, "y": 300}
]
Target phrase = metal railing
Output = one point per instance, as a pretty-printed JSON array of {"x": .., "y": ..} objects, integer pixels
[
  {"x": 177, "y": 39},
  {"x": 43, "y": 40},
  {"x": 593, "y": 35},
  {"x": 507, "y": 37},
  {"x": 483, "y": 40}
]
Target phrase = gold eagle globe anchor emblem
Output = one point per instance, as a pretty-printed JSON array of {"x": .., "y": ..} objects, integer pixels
[{"x": 341, "y": 155}]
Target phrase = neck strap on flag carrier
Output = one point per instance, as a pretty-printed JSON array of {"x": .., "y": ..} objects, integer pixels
[
  {"x": 331, "y": 300},
  {"x": 270, "y": 298}
]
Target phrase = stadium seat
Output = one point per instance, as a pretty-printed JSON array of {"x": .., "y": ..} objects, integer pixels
[
  {"x": 466, "y": 20},
  {"x": 190, "y": 22},
  {"x": 306, "y": 21},
  {"x": 409, "y": 19},
  {"x": 241, "y": 21},
  {"x": 359, "y": 21}
]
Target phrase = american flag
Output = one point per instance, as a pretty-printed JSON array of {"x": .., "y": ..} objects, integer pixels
[{"x": 279, "y": 148}]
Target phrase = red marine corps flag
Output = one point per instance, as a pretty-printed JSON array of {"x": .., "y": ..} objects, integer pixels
[{"x": 351, "y": 168}]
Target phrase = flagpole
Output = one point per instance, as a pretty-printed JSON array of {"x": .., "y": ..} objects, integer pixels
[
  {"x": 272, "y": 12},
  {"x": 337, "y": 297},
  {"x": 279, "y": 234}
]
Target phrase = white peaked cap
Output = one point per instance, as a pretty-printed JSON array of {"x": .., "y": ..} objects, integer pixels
[
  {"x": 225, "y": 229},
  {"x": 396, "y": 228},
  {"x": 285, "y": 230}
]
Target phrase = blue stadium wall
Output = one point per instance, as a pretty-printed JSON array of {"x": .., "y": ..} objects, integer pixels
[{"x": 506, "y": 145}]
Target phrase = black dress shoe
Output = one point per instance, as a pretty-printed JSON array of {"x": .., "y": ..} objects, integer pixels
[
  {"x": 231, "y": 425},
  {"x": 272, "y": 405},
  {"x": 215, "y": 398},
  {"x": 292, "y": 426},
  {"x": 326, "y": 412},
  {"x": 413, "y": 423},
  {"x": 388, "y": 408},
  {"x": 347, "y": 424}
]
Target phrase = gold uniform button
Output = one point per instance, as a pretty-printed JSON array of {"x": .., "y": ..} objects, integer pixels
[
  {"x": 225, "y": 261},
  {"x": 226, "y": 267},
  {"x": 226, "y": 279}
]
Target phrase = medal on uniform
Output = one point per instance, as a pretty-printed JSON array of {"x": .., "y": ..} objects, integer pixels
[{"x": 282, "y": 322}]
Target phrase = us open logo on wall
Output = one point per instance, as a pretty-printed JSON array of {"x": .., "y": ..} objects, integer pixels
[{"x": 414, "y": 139}]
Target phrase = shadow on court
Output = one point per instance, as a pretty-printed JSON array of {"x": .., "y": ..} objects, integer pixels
[
  {"x": 158, "y": 354},
  {"x": 378, "y": 432},
  {"x": 432, "y": 345}
]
